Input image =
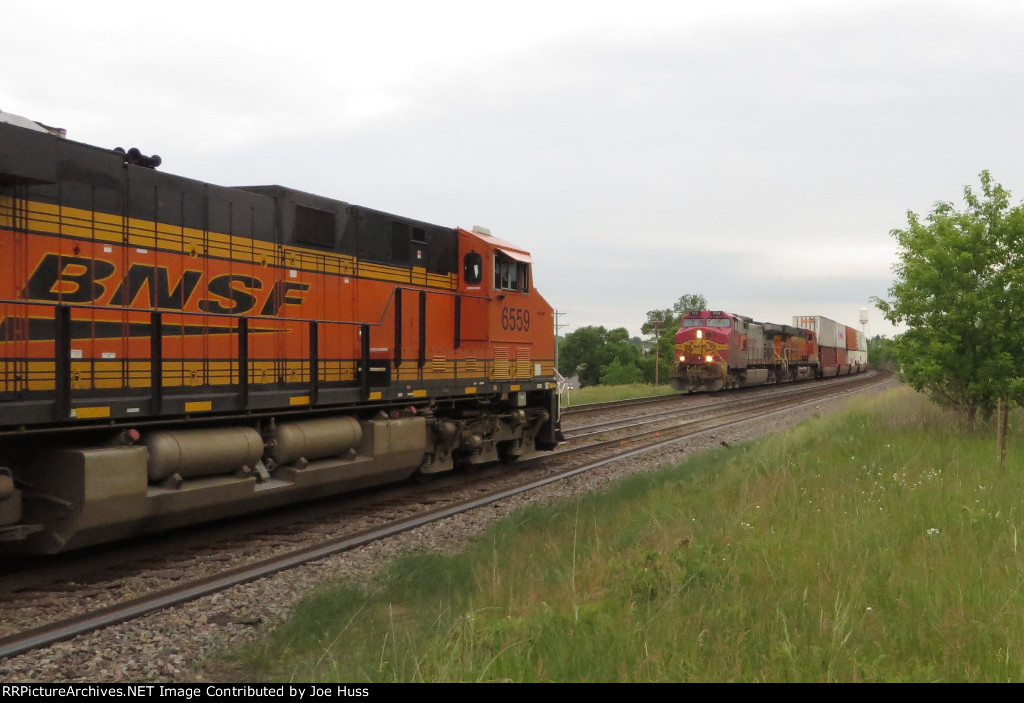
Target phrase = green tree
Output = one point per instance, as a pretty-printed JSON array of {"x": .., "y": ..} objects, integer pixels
[
  {"x": 958, "y": 289},
  {"x": 664, "y": 324},
  {"x": 669, "y": 317},
  {"x": 880, "y": 352},
  {"x": 616, "y": 373},
  {"x": 588, "y": 350}
]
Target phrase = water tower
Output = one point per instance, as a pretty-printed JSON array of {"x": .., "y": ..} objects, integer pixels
[{"x": 864, "y": 322}]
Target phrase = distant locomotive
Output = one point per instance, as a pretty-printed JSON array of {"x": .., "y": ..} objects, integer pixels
[
  {"x": 173, "y": 351},
  {"x": 718, "y": 350}
]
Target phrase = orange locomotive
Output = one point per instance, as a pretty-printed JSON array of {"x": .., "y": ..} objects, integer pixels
[
  {"x": 175, "y": 351},
  {"x": 717, "y": 350}
]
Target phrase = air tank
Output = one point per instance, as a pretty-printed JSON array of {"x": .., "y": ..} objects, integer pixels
[
  {"x": 6, "y": 484},
  {"x": 193, "y": 453},
  {"x": 314, "y": 439}
]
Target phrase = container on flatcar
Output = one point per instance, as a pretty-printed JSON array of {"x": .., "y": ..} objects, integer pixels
[
  {"x": 829, "y": 332},
  {"x": 851, "y": 338},
  {"x": 843, "y": 348},
  {"x": 859, "y": 351}
]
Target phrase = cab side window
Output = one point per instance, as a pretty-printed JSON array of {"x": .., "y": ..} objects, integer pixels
[
  {"x": 510, "y": 274},
  {"x": 473, "y": 268}
]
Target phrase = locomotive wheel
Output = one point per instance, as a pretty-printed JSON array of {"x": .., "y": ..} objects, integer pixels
[
  {"x": 464, "y": 465},
  {"x": 510, "y": 451}
]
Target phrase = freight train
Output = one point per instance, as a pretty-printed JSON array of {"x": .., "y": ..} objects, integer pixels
[
  {"x": 717, "y": 350},
  {"x": 173, "y": 351}
]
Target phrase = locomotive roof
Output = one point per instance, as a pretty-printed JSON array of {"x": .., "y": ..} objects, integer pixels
[
  {"x": 788, "y": 330},
  {"x": 34, "y": 153},
  {"x": 712, "y": 313},
  {"x": 324, "y": 202},
  {"x": 769, "y": 327},
  {"x": 19, "y": 121},
  {"x": 511, "y": 249}
]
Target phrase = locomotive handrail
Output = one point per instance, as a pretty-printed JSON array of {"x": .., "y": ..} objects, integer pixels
[
  {"x": 63, "y": 341},
  {"x": 118, "y": 309},
  {"x": 379, "y": 323}
]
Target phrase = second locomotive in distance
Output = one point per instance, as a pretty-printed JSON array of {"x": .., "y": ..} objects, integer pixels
[{"x": 717, "y": 350}]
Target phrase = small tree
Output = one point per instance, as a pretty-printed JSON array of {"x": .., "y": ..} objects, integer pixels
[
  {"x": 581, "y": 352},
  {"x": 958, "y": 289},
  {"x": 589, "y": 349},
  {"x": 880, "y": 352},
  {"x": 617, "y": 374}
]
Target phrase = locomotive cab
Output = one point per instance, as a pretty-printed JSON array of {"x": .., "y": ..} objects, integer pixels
[
  {"x": 499, "y": 303},
  {"x": 499, "y": 310}
]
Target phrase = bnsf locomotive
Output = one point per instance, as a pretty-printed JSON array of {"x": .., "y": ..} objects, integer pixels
[
  {"x": 173, "y": 351},
  {"x": 717, "y": 350}
]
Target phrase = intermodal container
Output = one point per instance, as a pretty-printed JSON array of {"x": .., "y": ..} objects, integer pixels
[
  {"x": 851, "y": 339},
  {"x": 829, "y": 332},
  {"x": 829, "y": 361}
]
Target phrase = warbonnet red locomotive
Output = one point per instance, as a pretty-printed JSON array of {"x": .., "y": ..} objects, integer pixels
[
  {"x": 717, "y": 350},
  {"x": 173, "y": 351}
]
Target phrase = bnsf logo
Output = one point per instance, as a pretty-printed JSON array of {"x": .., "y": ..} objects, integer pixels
[
  {"x": 693, "y": 346},
  {"x": 72, "y": 279}
]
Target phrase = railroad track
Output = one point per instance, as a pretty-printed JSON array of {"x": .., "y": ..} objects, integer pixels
[
  {"x": 591, "y": 446},
  {"x": 681, "y": 406}
]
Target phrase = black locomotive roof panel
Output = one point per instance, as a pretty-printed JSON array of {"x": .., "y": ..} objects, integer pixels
[
  {"x": 387, "y": 238},
  {"x": 775, "y": 330},
  {"x": 78, "y": 175},
  {"x": 177, "y": 201},
  {"x": 28, "y": 157},
  {"x": 74, "y": 174},
  {"x": 300, "y": 197},
  {"x": 368, "y": 234}
]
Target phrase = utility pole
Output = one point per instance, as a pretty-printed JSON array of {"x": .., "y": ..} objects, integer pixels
[
  {"x": 558, "y": 326},
  {"x": 657, "y": 343}
]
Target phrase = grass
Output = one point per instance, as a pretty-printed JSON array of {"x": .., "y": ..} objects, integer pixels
[
  {"x": 604, "y": 394},
  {"x": 880, "y": 545}
]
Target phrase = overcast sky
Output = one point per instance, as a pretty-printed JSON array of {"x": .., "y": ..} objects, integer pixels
[{"x": 758, "y": 153}]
